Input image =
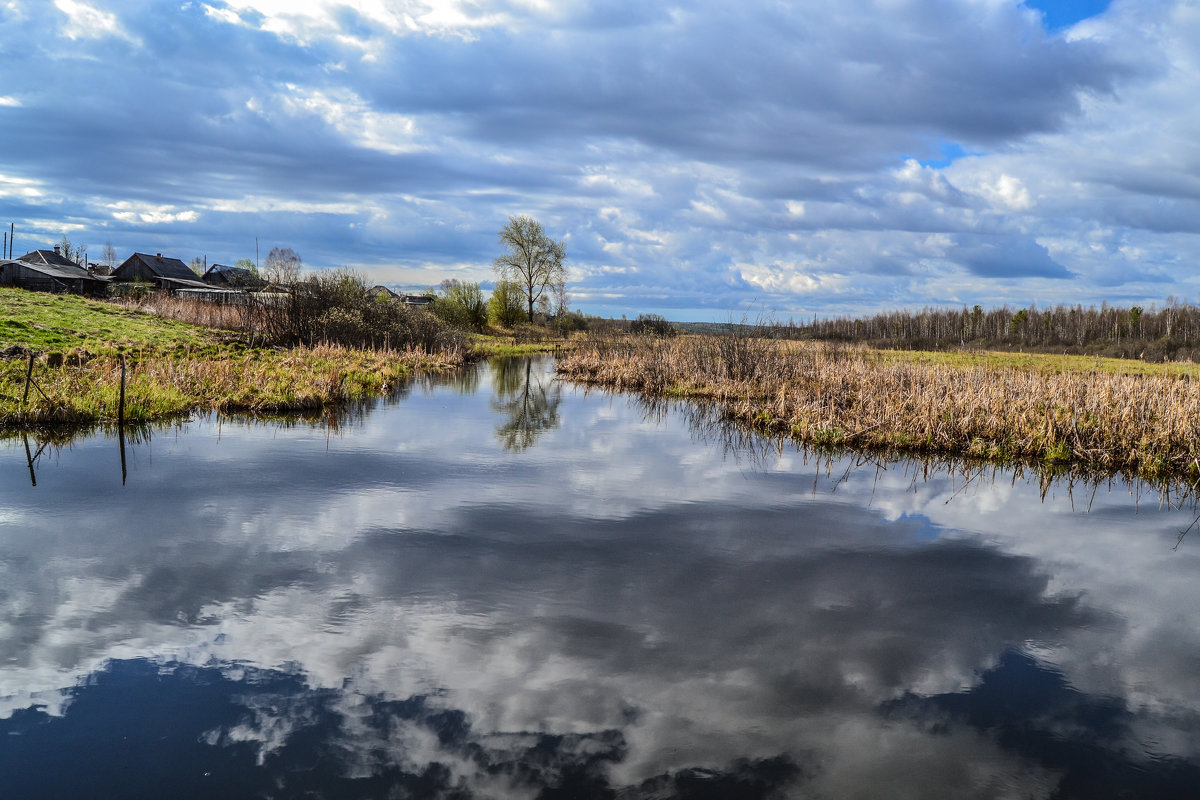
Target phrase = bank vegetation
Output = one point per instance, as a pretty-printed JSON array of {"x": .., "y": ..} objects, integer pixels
[{"x": 849, "y": 395}]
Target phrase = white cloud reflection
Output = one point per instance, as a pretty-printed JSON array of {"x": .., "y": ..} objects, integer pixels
[{"x": 618, "y": 575}]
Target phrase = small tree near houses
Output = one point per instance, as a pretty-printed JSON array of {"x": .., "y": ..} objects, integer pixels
[{"x": 532, "y": 261}]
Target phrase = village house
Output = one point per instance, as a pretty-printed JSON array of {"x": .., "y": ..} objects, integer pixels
[
  {"x": 50, "y": 271},
  {"x": 165, "y": 273}
]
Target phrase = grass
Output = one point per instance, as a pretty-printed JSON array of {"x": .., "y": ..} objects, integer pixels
[
  {"x": 1037, "y": 362},
  {"x": 172, "y": 368},
  {"x": 48, "y": 323},
  {"x": 1103, "y": 414}
]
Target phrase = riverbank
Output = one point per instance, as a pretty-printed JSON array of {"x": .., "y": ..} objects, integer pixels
[
  {"x": 1147, "y": 424},
  {"x": 171, "y": 368}
]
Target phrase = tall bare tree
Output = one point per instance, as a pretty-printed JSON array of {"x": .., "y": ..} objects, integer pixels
[{"x": 532, "y": 261}]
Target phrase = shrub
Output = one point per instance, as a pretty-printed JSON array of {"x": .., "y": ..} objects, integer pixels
[
  {"x": 504, "y": 307},
  {"x": 652, "y": 325},
  {"x": 461, "y": 305},
  {"x": 335, "y": 307}
]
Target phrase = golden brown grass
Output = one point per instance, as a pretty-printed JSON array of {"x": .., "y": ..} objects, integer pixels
[{"x": 839, "y": 395}]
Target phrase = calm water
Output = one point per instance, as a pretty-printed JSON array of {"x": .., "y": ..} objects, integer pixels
[{"x": 506, "y": 587}]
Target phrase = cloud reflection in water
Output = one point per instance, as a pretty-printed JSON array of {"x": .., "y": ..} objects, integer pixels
[{"x": 616, "y": 608}]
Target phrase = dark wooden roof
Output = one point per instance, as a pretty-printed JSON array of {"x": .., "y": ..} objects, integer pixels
[
  {"x": 70, "y": 272},
  {"x": 233, "y": 276},
  {"x": 52, "y": 259},
  {"x": 156, "y": 265}
]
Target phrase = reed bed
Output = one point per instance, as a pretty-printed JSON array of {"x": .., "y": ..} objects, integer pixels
[
  {"x": 841, "y": 395},
  {"x": 83, "y": 389}
]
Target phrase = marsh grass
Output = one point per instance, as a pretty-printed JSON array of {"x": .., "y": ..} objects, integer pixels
[
  {"x": 849, "y": 396},
  {"x": 160, "y": 385}
]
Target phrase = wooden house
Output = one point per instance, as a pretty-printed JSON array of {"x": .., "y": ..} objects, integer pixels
[
  {"x": 48, "y": 271},
  {"x": 165, "y": 273}
]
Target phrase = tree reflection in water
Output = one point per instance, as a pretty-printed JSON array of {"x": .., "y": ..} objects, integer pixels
[{"x": 528, "y": 400}]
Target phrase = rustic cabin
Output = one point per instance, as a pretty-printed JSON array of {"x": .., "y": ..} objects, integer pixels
[
  {"x": 232, "y": 277},
  {"x": 48, "y": 271},
  {"x": 165, "y": 273}
]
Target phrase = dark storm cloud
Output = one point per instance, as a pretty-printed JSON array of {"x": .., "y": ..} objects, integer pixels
[{"x": 1010, "y": 258}]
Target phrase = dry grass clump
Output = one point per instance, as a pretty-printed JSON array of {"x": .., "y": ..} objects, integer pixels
[{"x": 847, "y": 395}]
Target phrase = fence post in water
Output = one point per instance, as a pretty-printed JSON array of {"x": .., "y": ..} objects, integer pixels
[
  {"x": 28, "y": 379},
  {"x": 121, "y": 402}
]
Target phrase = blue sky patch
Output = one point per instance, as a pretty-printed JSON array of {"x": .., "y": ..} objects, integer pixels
[{"x": 1061, "y": 14}]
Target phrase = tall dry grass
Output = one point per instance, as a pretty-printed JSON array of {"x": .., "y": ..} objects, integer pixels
[
  {"x": 847, "y": 395},
  {"x": 192, "y": 311}
]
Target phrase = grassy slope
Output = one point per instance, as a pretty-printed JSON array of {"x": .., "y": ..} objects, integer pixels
[
  {"x": 173, "y": 367},
  {"x": 46, "y": 323}
]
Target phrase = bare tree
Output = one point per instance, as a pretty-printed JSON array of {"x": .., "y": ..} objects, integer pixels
[
  {"x": 282, "y": 266},
  {"x": 533, "y": 261},
  {"x": 110, "y": 255}
]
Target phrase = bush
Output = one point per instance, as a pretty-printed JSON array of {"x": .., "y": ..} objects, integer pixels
[
  {"x": 569, "y": 322},
  {"x": 652, "y": 325},
  {"x": 505, "y": 306},
  {"x": 461, "y": 305},
  {"x": 335, "y": 307}
]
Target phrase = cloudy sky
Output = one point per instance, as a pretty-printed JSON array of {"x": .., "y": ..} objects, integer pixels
[{"x": 704, "y": 159}]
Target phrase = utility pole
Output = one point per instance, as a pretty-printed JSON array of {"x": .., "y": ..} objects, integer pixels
[{"x": 256, "y": 266}]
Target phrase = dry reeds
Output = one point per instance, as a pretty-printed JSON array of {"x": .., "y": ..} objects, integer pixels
[
  {"x": 190, "y": 310},
  {"x": 842, "y": 395}
]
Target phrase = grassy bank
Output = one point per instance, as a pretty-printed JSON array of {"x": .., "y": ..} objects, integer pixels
[
  {"x": 1060, "y": 409},
  {"x": 171, "y": 367}
]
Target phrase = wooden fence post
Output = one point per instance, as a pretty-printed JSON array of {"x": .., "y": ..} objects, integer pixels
[
  {"x": 121, "y": 403},
  {"x": 28, "y": 378}
]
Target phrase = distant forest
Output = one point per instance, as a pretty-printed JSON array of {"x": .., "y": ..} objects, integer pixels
[
  {"x": 1152, "y": 334},
  {"x": 1170, "y": 333}
]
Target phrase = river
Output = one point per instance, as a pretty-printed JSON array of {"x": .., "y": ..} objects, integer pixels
[{"x": 499, "y": 585}]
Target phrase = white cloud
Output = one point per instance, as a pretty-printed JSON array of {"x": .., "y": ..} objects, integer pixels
[
  {"x": 87, "y": 22},
  {"x": 151, "y": 214},
  {"x": 350, "y": 116}
]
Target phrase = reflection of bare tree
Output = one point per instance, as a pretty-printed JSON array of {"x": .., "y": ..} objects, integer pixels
[{"x": 529, "y": 401}]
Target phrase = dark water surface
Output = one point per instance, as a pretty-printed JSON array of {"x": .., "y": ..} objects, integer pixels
[{"x": 506, "y": 587}]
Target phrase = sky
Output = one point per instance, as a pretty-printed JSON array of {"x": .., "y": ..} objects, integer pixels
[{"x": 704, "y": 159}]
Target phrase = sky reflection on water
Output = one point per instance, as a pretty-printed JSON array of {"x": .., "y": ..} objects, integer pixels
[{"x": 510, "y": 587}]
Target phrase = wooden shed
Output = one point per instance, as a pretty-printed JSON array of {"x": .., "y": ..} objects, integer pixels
[{"x": 232, "y": 277}]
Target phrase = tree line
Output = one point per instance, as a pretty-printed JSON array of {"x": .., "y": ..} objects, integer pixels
[{"x": 1154, "y": 334}]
